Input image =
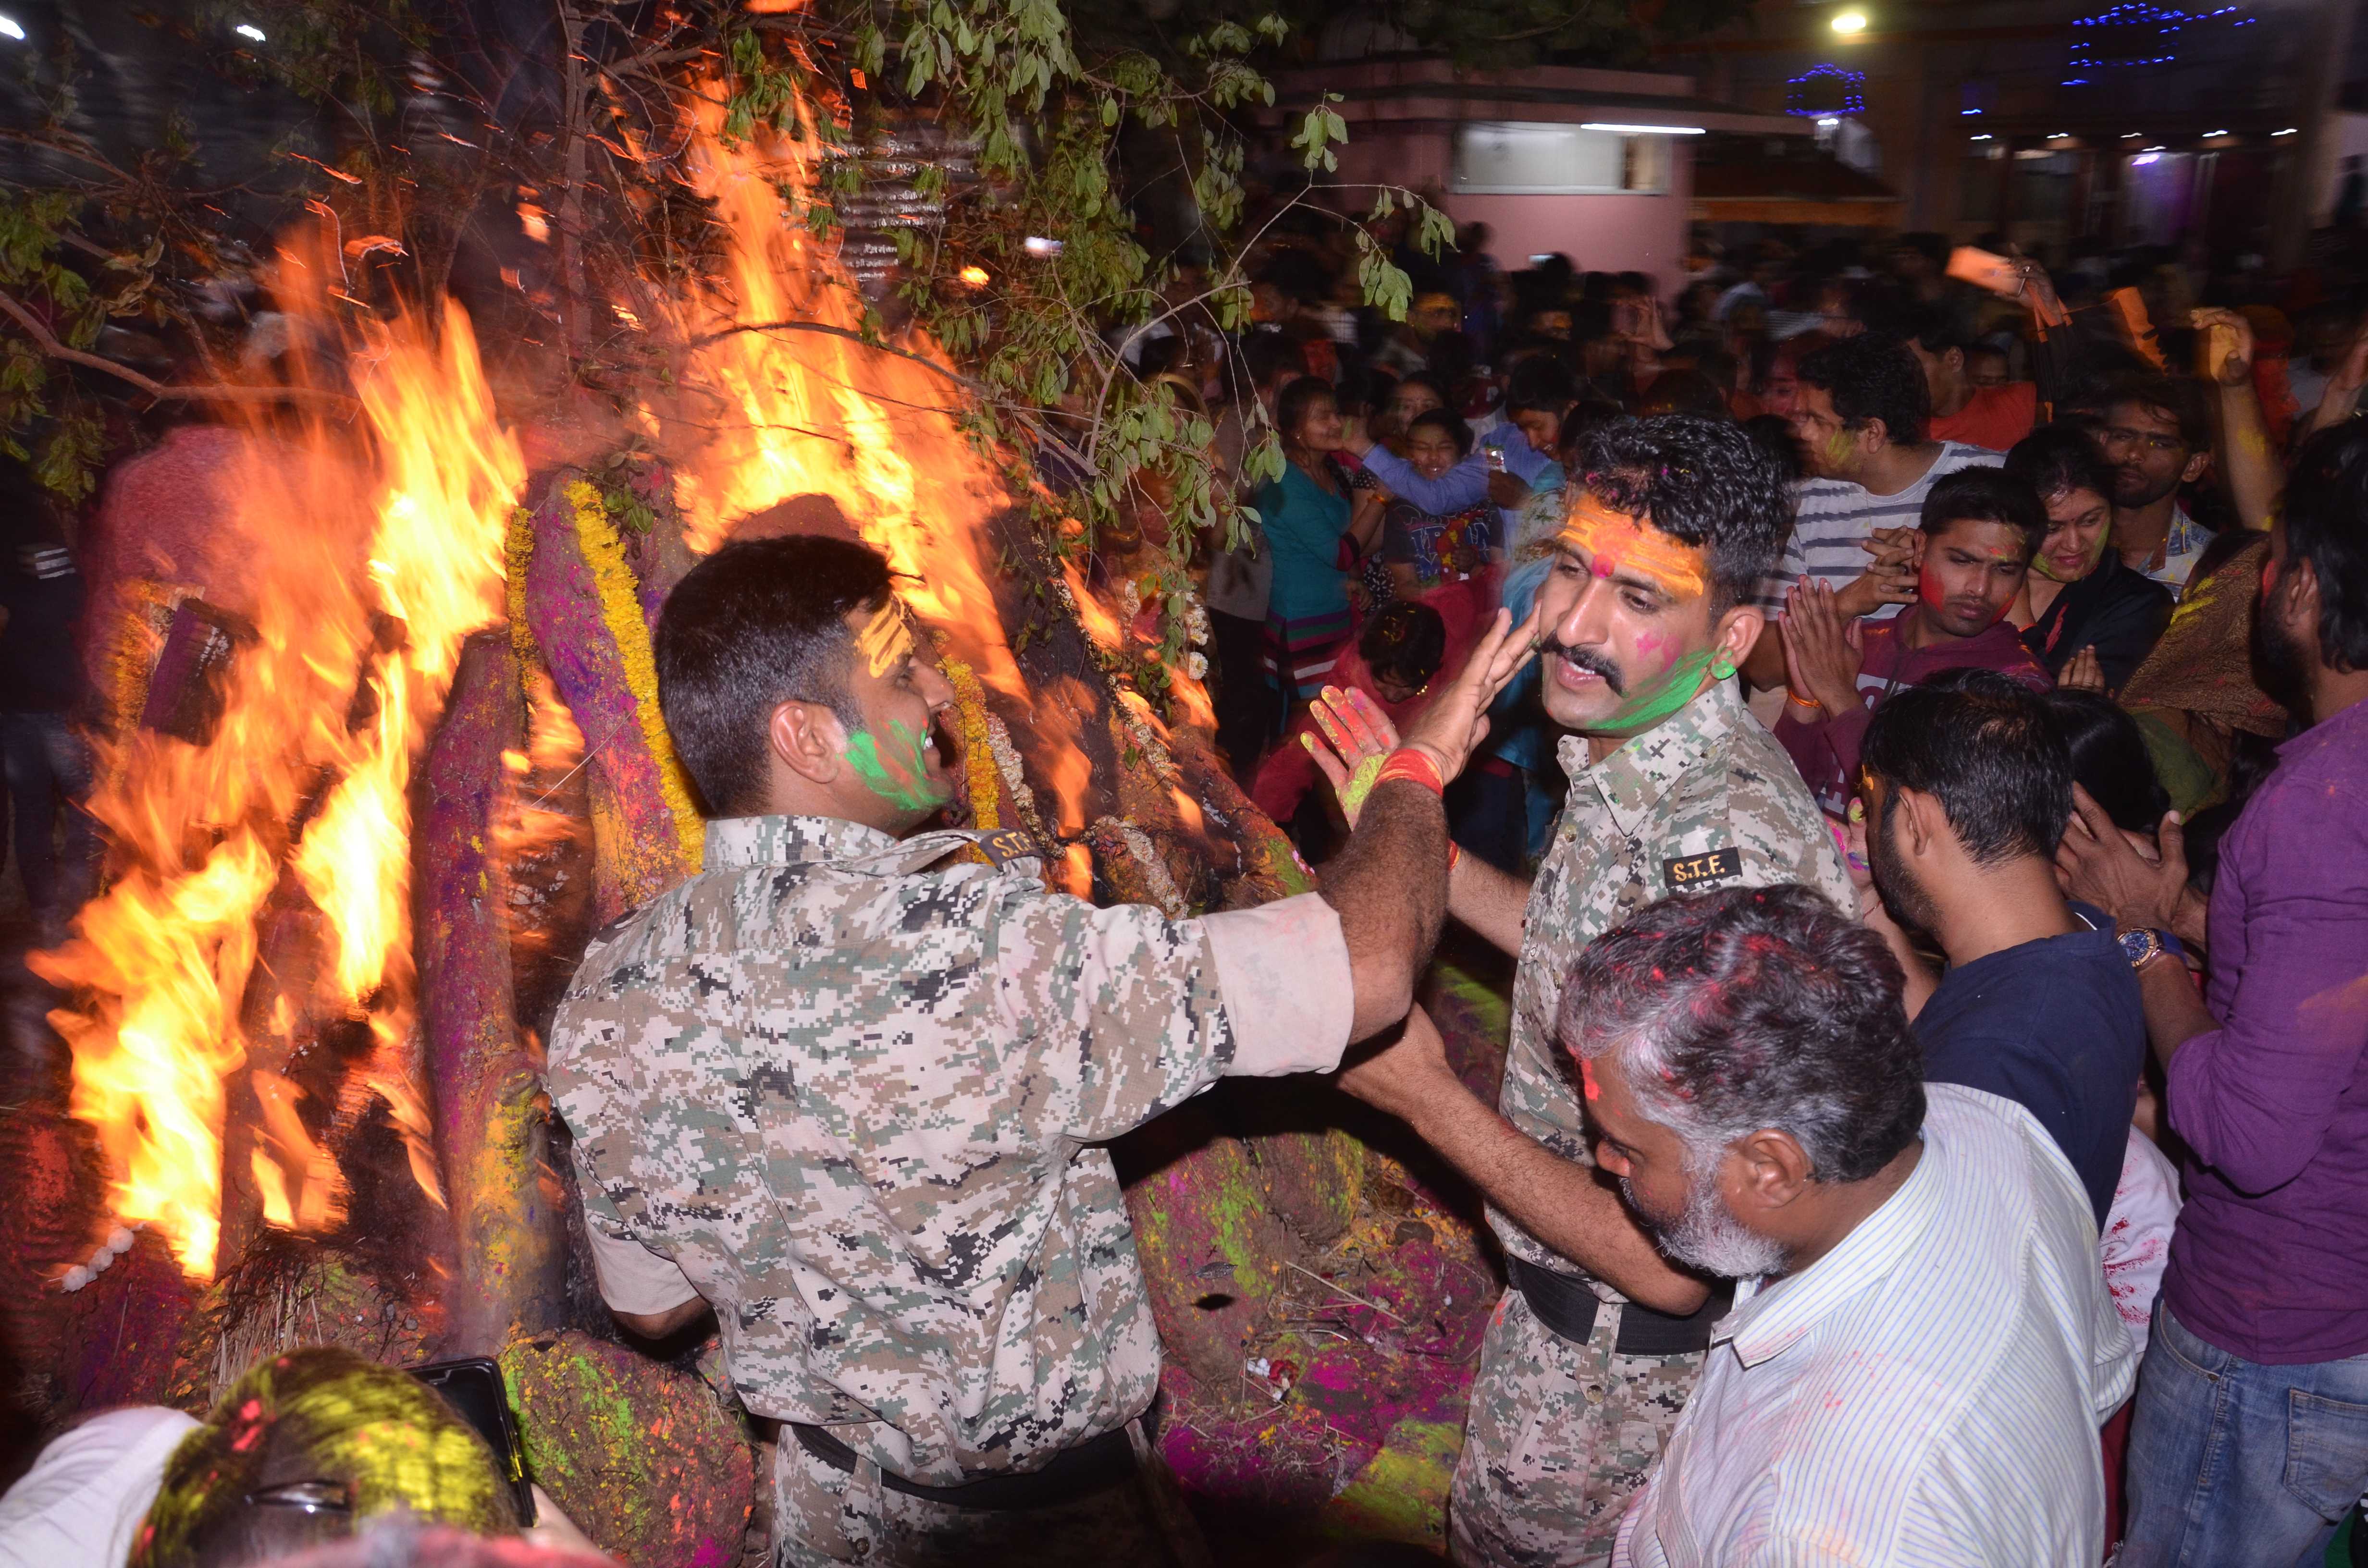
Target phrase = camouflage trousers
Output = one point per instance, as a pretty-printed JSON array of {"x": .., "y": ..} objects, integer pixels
[
  {"x": 823, "y": 1517},
  {"x": 1560, "y": 1437}
]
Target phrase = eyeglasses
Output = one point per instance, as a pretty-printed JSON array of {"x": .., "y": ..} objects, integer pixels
[
  {"x": 305, "y": 1496},
  {"x": 2122, "y": 436}
]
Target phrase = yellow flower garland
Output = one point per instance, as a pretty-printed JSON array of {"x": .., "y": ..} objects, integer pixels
[
  {"x": 517, "y": 550},
  {"x": 620, "y": 610},
  {"x": 978, "y": 753}
]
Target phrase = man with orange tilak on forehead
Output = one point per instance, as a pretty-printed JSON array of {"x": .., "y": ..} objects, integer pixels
[{"x": 1674, "y": 788}]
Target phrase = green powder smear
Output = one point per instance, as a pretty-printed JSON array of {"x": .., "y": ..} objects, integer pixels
[
  {"x": 896, "y": 772},
  {"x": 1644, "y": 708}
]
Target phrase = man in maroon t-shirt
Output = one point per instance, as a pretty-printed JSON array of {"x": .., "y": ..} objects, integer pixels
[{"x": 1977, "y": 532}]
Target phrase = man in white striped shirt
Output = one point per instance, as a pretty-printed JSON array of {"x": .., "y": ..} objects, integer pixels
[
  {"x": 1861, "y": 423},
  {"x": 1922, "y": 1348}
]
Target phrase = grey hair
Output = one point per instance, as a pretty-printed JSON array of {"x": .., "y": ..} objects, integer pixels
[{"x": 1752, "y": 1008}]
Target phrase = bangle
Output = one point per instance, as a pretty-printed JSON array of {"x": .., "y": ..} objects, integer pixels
[
  {"x": 1454, "y": 853},
  {"x": 1797, "y": 699},
  {"x": 1413, "y": 766}
]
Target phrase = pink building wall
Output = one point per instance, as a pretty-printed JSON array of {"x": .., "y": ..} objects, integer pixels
[
  {"x": 1620, "y": 233},
  {"x": 1402, "y": 117}
]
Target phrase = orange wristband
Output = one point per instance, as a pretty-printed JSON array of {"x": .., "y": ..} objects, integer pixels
[
  {"x": 1412, "y": 765},
  {"x": 1454, "y": 853}
]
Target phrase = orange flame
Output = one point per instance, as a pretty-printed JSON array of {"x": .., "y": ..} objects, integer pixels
[
  {"x": 809, "y": 408},
  {"x": 411, "y": 528}
]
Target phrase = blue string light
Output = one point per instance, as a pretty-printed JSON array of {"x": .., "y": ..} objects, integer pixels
[
  {"x": 2166, "y": 21},
  {"x": 1851, "y": 85}
]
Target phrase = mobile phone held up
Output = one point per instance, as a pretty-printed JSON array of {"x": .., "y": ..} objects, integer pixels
[{"x": 473, "y": 1387}]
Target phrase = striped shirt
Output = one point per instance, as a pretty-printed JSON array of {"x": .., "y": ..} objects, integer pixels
[
  {"x": 1928, "y": 1393},
  {"x": 1831, "y": 518}
]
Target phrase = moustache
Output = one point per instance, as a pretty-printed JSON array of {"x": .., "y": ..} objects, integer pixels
[{"x": 1595, "y": 663}]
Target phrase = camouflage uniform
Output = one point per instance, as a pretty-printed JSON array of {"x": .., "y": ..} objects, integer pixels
[
  {"x": 849, "y": 1100},
  {"x": 1561, "y": 1433}
]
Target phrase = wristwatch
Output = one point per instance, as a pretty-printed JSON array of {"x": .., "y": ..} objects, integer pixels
[{"x": 2142, "y": 945}]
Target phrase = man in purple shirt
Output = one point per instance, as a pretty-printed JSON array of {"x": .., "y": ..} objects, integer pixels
[{"x": 2249, "y": 1440}]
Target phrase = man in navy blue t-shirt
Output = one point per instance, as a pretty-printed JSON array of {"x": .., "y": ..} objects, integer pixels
[{"x": 1967, "y": 785}]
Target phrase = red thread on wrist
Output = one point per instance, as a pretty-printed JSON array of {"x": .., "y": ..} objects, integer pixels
[{"x": 1417, "y": 766}]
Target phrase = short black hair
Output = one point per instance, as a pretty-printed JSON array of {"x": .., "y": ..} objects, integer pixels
[
  {"x": 1873, "y": 376},
  {"x": 1446, "y": 421},
  {"x": 1406, "y": 641},
  {"x": 2326, "y": 525},
  {"x": 1987, "y": 496},
  {"x": 1540, "y": 381},
  {"x": 2058, "y": 458},
  {"x": 755, "y": 625},
  {"x": 1683, "y": 392},
  {"x": 1986, "y": 748},
  {"x": 1421, "y": 379},
  {"x": 2178, "y": 398},
  {"x": 1773, "y": 434},
  {"x": 2108, "y": 756},
  {"x": 1750, "y": 1008},
  {"x": 1703, "y": 483}
]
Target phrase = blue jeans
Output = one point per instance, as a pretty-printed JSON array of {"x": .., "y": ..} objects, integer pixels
[{"x": 2237, "y": 1465}]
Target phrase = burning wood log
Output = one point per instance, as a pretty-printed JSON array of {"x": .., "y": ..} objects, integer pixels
[{"x": 493, "y": 1120}]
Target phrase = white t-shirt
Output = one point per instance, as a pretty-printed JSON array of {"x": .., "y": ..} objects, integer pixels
[
  {"x": 2135, "y": 1246},
  {"x": 82, "y": 1501},
  {"x": 1832, "y": 517},
  {"x": 2181, "y": 549}
]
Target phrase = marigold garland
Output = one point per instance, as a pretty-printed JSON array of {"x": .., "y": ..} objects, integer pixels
[
  {"x": 620, "y": 607},
  {"x": 978, "y": 750},
  {"x": 518, "y": 552}
]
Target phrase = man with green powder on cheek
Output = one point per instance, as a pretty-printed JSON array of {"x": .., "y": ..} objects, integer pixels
[
  {"x": 1674, "y": 788},
  {"x": 851, "y": 1085}
]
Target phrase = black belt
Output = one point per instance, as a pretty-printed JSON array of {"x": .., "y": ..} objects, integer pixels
[
  {"x": 1095, "y": 1465},
  {"x": 1564, "y": 1304}
]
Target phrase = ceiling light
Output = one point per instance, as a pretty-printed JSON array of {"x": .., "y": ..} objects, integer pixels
[
  {"x": 248, "y": 31},
  {"x": 2289, "y": 131},
  {"x": 2210, "y": 133},
  {"x": 1642, "y": 130},
  {"x": 2155, "y": 148},
  {"x": 1851, "y": 22},
  {"x": 1827, "y": 122},
  {"x": 8, "y": 28},
  {"x": 2142, "y": 159},
  {"x": 1983, "y": 137},
  {"x": 2132, "y": 135}
]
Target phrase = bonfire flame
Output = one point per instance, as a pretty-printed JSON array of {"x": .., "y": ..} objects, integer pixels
[
  {"x": 366, "y": 562},
  {"x": 162, "y": 962}
]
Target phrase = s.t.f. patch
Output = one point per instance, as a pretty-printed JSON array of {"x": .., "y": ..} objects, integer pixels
[
  {"x": 1690, "y": 873},
  {"x": 1004, "y": 845}
]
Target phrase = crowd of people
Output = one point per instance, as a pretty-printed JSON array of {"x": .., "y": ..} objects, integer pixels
[
  {"x": 1912, "y": 745},
  {"x": 2054, "y": 598}
]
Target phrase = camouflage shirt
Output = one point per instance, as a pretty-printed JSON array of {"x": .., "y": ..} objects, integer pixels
[
  {"x": 1706, "y": 799},
  {"x": 853, "y": 1099}
]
